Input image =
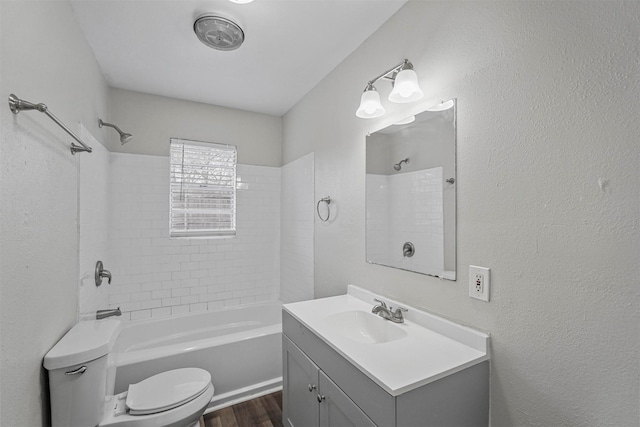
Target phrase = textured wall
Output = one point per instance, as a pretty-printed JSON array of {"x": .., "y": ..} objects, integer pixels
[
  {"x": 44, "y": 59},
  {"x": 547, "y": 185},
  {"x": 154, "y": 276}
]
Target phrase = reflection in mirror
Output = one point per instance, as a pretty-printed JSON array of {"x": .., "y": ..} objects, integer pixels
[{"x": 411, "y": 194}]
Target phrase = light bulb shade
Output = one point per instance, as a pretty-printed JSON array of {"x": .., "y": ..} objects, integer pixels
[
  {"x": 370, "y": 106},
  {"x": 405, "y": 87}
]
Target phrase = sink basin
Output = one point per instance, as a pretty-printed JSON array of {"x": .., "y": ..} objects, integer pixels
[{"x": 363, "y": 327}]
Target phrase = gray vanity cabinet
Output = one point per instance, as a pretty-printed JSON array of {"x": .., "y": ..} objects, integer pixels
[
  {"x": 322, "y": 388},
  {"x": 336, "y": 409},
  {"x": 311, "y": 399},
  {"x": 299, "y": 388}
]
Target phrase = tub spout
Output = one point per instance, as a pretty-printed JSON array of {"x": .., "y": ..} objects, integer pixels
[{"x": 103, "y": 314}]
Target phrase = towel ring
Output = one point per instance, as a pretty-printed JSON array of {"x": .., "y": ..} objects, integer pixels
[{"x": 326, "y": 200}]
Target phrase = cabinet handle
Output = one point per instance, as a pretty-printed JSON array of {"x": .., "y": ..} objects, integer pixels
[
  {"x": 320, "y": 399},
  {"x": 312, "y": 387}
]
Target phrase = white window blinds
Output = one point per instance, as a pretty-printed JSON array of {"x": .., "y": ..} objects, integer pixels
[{"x": 203, "y": 189}]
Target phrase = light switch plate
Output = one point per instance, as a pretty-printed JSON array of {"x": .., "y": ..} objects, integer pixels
[{"x": 479, "y": 282}]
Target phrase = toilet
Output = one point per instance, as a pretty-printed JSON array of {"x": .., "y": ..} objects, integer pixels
[{"x": 82, "y": 372}]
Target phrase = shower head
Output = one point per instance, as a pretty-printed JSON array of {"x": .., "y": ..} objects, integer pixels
[
  {"x": 398, "y": 165},
  {"x": 124, "y": 137}
]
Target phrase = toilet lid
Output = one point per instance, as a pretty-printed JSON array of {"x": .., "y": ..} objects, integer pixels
[{"x": 166, "y": 390}]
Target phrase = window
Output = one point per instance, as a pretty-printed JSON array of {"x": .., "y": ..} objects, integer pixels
[{"x": 203, "y": 189}]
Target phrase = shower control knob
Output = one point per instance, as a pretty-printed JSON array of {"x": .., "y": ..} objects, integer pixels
[
  {"x": 408, "y": 249},
  {"x": 312, "y": 387}
]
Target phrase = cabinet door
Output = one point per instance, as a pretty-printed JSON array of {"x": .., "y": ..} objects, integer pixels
[
  {"x": 336, "y": 409},
  {"x": 299, "y": 387}
]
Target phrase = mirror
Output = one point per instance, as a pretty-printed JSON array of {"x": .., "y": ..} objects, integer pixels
[{"x": 411, "y": 194}]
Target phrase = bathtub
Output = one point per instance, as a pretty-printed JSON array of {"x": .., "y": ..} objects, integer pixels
[{"x": 240, "y": 346}]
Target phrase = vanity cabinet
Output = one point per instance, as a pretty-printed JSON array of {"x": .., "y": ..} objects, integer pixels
[
  {"x": 299, "y": 388},
  {"x": 311, "y": 399},
  {"x": 322, "y": 388}
]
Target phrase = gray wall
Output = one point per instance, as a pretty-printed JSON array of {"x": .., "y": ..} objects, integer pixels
[
  {"x": 547, "y": 185},
  {"x": 153, "y": 120},
  {"x": 44, "y": 59}
]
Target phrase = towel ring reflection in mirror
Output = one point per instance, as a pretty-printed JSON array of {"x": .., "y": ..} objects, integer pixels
[{"x": 326, "y": 200}]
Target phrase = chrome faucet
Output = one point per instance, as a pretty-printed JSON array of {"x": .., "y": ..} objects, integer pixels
[
  {"x": 388, "y": 313},
  {"x": 103, "y": 314}
]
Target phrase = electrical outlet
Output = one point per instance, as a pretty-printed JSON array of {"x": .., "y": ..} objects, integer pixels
[{"x": 479, "y": 282}]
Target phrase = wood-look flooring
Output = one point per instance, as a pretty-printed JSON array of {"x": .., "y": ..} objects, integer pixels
[{"x": 264, "y": 411}]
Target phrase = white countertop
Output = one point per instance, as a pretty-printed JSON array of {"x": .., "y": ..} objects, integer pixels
[{"x": 432, "y": 349}]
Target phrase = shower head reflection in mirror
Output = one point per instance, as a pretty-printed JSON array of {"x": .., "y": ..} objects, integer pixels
[{"x": 398, "y": 165}]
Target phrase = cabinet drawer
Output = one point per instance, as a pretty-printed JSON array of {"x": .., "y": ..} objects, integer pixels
[{"x": 376, "y": 403}]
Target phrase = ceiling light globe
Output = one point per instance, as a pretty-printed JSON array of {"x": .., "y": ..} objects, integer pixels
[
  {"x": 370, "y": 105},
  {"x": 405, "y": 87}
]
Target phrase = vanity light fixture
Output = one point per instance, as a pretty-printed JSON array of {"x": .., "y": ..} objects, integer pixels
[
  {"x": 370, "y": 105},
  {"x": 405, "y": 89}
]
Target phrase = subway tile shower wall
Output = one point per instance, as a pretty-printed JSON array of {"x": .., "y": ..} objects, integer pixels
[
  {"x": 394, "y": 215},
  {"x": 154, "y": 276}
]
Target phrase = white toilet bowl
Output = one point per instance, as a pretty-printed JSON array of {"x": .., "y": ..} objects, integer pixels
[{"x": 81, "y": 380}]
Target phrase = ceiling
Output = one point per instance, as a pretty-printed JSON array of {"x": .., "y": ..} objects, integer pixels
[{"x": 290, "y": 45}]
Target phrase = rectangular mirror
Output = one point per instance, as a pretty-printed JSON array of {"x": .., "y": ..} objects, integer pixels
[{"x": 411, "y": 194}]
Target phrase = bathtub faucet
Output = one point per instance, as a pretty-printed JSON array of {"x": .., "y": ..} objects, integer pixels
[{"x": 103, "y": 314}]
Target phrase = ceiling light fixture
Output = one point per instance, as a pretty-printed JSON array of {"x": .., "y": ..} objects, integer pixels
[
  {"x": 218, "y": 32},
  {"x": 241, "y": 1},
  {"x": 405, "y": 89}
]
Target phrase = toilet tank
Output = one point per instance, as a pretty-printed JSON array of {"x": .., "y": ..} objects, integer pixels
[{"x": 78, "y": 368}]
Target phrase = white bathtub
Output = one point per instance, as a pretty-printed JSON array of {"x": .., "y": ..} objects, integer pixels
[{"x": 240, "y": 346}]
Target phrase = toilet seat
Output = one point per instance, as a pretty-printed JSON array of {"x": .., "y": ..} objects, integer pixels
[
  {"x": 167, "y": 390},
  {"x": 181, "y": 416}
]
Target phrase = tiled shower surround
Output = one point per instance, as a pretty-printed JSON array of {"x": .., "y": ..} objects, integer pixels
[
  {"x": 420, "y": 208},
  {"x": 154, "y": 276}
]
